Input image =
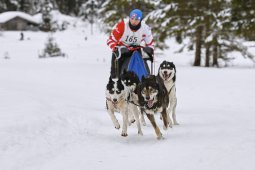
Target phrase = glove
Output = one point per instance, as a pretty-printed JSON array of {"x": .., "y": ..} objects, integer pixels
[
  {"x": 133, "y": 47},
  {"x": 148, "y": 50},
  {"x": 124, "y": 50},
  {"x": 120, "y": 50}
]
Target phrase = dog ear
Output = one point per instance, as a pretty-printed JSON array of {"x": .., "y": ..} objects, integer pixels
[
  {"x": 174, "y": 67},
  {"x": 154, "y": 78},
  {"x": 119, "y": 80},
  {"x": 174, "y": 78},
  {"x": 124, "y": 71},
  {"x": 143, "y": 78}
]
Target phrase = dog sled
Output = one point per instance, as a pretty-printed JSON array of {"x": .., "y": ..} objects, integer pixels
[
  {"x": 138, "y": 91},
  {"x": 138, "y": 62}
]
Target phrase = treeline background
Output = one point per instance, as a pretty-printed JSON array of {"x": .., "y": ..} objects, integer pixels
[{"x": 213, "y": 28}]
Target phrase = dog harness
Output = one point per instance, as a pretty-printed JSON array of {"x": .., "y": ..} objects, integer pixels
[
  {"x": 130, "y": 101},
  {"x": 170, "y": 89},
  {"x": 113, "y": 103}
]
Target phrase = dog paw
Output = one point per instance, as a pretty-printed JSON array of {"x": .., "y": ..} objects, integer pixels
[
  {"x": 124, "y": 134},
  {"x": 117, "y": 126},
  {"x": 160, "y": 137},
  {"x": 143, "y": 123},
  {"x": 140, "y": 133},
  {"x": 165, "y": 127},
  {"x": 170, "y": 125},
  {"x": 176, "y": 123},
  {"x": 132, "y": 121}
]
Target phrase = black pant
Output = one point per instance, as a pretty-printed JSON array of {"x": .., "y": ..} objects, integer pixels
[{"x": 118, "y": 66}]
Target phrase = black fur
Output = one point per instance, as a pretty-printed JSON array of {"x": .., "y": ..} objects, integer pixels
[
  {"x": 110, "y": 86},
  {"x": 157, "y": 84},
  {"x": 130, "y": 78},
  {"x": 168, "y": 65},
  {"x": 120, "y": 86},
  {"x": 151, "y": 83}
]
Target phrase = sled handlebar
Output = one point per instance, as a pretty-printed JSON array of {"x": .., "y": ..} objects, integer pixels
[
  {"x": 131, "y": 48},
  {"x": 119, "y": 51}
]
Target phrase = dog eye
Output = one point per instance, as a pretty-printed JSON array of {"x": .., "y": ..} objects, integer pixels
[
  {"x": 111, "y": 91},
  {"x": 118, "y": 92},
  {"x": 152, "y": 90}
]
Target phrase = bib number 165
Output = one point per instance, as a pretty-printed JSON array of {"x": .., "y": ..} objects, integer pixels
[{"x": 131, "y": 39}]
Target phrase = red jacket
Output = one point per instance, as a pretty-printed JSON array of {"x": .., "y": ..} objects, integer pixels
[{"x": 123, "y": 35}]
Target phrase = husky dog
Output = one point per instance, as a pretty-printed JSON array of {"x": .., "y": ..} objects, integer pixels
[
  {"x": 115, "y": 102},
  {"x": 131, "y": 81},
  {"x": 153, "y": 98},
  {"x": 167, "y": 72}
]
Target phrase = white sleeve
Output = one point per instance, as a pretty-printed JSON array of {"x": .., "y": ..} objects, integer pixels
[{"x": 148, "y": 37}]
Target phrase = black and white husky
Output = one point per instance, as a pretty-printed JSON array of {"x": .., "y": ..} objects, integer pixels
[
  {"x": 153, "y": 98},
  {"x": 116, "y": 94},
  {"x": 116, "y": 101},
  {"x": 167, "y": 72},
  {"x": 131, "y": 81}
]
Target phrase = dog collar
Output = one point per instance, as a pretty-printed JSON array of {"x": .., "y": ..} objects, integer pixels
[{"x": 113, "y": 103}]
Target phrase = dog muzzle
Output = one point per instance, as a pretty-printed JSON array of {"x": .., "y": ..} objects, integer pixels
[
  {"x": 166, "y": 76},
  {"x": 150, "y": 103}
]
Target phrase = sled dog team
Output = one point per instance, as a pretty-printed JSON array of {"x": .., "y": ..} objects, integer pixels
[{"x": 134, "y": 98}]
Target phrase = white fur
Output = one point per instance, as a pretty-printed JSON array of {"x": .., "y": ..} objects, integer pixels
[
  {"x": 120, "y": 106},
  {"x": 133, "y": 111},
  {"x": 170, "y": 85}
]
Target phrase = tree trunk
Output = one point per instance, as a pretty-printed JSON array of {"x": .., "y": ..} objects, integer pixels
[
  {"x": 197, "y": 61},
  {"x": 207, "y": 55},
  {"x": 207, "y": 44},
  {"x": 215, "y": 52}
]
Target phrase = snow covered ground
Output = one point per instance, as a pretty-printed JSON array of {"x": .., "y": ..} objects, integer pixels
[{"x": 53, "y": 116}]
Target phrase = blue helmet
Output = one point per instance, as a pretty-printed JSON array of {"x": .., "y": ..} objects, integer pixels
[{"x": 136, "y": 14}]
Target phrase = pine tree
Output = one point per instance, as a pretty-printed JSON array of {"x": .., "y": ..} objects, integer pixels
[
  {"x": 25, "y": 6},
  {"x": 89, "y": 10},
  {"x": 69, "y": 7},
  {"x": 197, "y": 20},
  {"x": 46, "y": 16},
  {"x": 51, "y": 49},
  {"x": 243, "y": 21},
  {"x": 8, "y": 5},
  {"x": 113, "y": 11}
]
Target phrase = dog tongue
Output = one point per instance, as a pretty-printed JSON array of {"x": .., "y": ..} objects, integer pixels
[
  {"x": 150, "y": 103},
  {"x": 165, "y": 76}
]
